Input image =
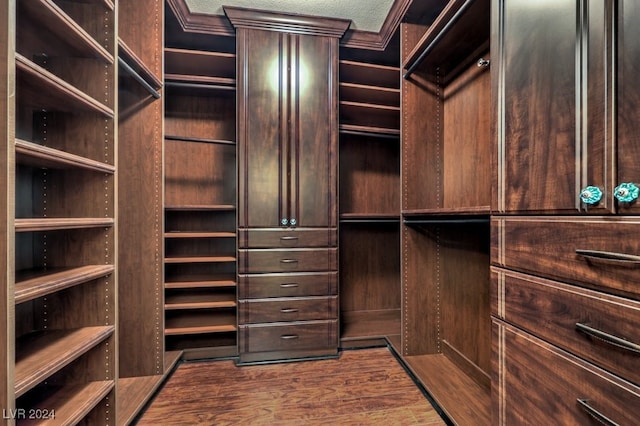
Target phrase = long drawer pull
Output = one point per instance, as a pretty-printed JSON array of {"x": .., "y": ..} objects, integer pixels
[
  {"x": 288, "y": 238},
  {"x": 608, "y": 338},
  {"x": 289, "y": 285},
  {"x": 584, "y": 403},
  {"x": 289, "y": 336},
  {"x": 610, "y": 257},
  {"x": 288, "y": 310},
  {"x": 288, "y": 260}
]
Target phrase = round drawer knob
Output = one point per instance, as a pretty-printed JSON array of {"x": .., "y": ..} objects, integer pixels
[
  {"x": 293, "y": 221},
  {"x": 591, "y": 195},
  {"x": 626, "y": 192},
  {"x": 284, "y": 221}
]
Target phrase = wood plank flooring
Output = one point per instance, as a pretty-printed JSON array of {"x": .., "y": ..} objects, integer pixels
[{"x": 366, "y": 387}]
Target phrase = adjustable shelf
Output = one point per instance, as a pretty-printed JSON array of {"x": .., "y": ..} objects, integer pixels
[
  {"x": 178, "y": 234},
  {"x": 32, "y": 154},
  {"x": 369, "y": 218},
  {"x": 40, "y": 88},
  {"x": 370, "y": 131},
  {"x": 200, "y": 67},
  {"x": 71, "y": 404},
  {"x": 136, "y": 66},
  {"x": 200, "y": 282},
  {"x": 203, "y": 207},
  {"x": 201, "y": 323},
  {"x": 59, "y": 224},
  {"x": 46, "y": 14},
  {"x": 369, "y": 74},
  {"x": 200, "y": 301},
  {"x": 198, "y": 140},
  {"x": 33, "y": 284},
  {"x": 41, "y": 354},
  {"x": 200, "y": 259}
]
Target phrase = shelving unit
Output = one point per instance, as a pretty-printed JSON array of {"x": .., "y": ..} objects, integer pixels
[
  {"x": 369, "y": 202},
  {"x": 200, "y": 195},
  {"x": 143, "y": 361},
  {"x": 446, "y": 198},
  {"x": 62, "y": 344}
]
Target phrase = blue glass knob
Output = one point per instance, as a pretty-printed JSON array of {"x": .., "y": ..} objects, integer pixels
[
  {"x": 284, "y": 221},
  {"x": 626, "y": 192},
  {"x": 293, "y": 221},
  {"x": 591, "y": 195}
]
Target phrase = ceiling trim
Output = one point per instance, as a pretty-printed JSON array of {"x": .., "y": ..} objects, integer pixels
[
  {"x": 286, "y": 22},
  {"x": 220, "y": 25}
]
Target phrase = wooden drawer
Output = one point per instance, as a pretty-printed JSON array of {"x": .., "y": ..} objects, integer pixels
[
  {"x": 288, "y": 309},
  {"x": 284, "y": 337},
  {"x": 585, "y": 322},
  {"x": 602, "y": 253},
  {"x": 537, "y": 383},
  {"x": 287, "y": 285},
  {"x": 287, "y": 260},
  {"x": 283, "y": 237}
]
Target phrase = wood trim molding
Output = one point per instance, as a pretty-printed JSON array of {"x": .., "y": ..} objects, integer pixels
[
  {"x": 286, "y": 22},
  {"x": 301, "y": 24}
]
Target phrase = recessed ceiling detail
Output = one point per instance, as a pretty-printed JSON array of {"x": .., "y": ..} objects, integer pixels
[{"x": 366, "y": 15}]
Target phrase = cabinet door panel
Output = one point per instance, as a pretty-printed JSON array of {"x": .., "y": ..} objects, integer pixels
[
  {"x": 262, "y": 144},
  {"x": 314, "y": 126},
  {"x": 628, "y": 96}
]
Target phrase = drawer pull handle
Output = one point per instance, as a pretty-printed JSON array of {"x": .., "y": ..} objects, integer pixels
[
  {"x": 288, "y": 260},
  {"x": 288, "y": 310},
  {"x": 289, "y": 336},
  {"x": 584, "y": 403},
  {"x": 610, "y": 257},
  {"x": 608, "y": 338},
  {"x": 288, "y": 238},
  {"x": 289, "y": 285}
]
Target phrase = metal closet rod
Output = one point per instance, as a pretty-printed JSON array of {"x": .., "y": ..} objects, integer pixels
[
  {"x": 137, "y": 77},
  {"x": 436, "y": 40}
]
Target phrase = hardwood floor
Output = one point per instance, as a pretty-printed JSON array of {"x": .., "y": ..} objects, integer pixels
[{"x": 366, "y": 387}]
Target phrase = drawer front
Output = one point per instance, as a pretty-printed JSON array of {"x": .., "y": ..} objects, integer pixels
[
  {"x": 537, "y": 383},
  {"x": 288, "y": 337},
  {"x": 287, "y": 285},
  {"x": 601, "y": 253},
  {"x": 287, "y": 260},
  {"x": 584, "y": 322},
  {"x": 288, "y": 309},
  {"x": 287, "y": 238}
]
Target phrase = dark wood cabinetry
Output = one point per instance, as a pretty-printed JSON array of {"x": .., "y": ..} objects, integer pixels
[
  {"x": 288, "y": 182},
  {"x": 564, "y": 300}
]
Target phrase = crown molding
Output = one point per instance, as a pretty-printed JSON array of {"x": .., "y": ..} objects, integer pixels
[
  {"x": 221, "y": 25},
  {"x": 286, "y": 22}
]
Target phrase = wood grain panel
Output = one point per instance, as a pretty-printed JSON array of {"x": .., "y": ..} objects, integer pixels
[
  {"x": 524, "y": 362},
  {"x": 289, "y": 237},
  {"x": 287, "y": 309},
  {"x": 287, "y": 260},
  {"x": 287, "y": 285},
  {"x": 284, "y": 337}
]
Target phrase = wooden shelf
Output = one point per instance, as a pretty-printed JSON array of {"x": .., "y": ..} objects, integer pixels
[
  {"x": 203, "y": 207},
  {"x": 370, "y": 324},
  {"x": 369, "y": 115},
  {"x": 376, "y": 132},
  {"x": 200, "y": 64},
  {"x": 41, "y": 354},
  {"x": 198, "y": 140},
  {"x": 455, "y": 40},
  {"x": 135, "y": 392},
  {"x": 200, "y": 301},
  {"x": 59, "y": 224},
  {"x": 202, "y": 323},
  {"x": 462, "y": 398},
  {"x": 33, "y": 284},
  {"x": 41, "y": 89},
  {"x": 32, "y": 154},
  {"x": 204, "y": 282},
  {"x": 370, "y": 94},
  {"x": 134, "y": 61},
  {"x": 180, "y": 234},
  {"x": 48, "y": 15},
  {"x": 369, "y": 217},
  {"x": 71, "y": 404},
  {"x": 369, "y": 74},
  {"x": 197, "y": 82},
  {"x": 200, "y": 259},
  {"x": 462, "y": 211}
]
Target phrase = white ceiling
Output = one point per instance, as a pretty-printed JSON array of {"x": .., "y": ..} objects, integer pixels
[{"x": 366, "y": 15}]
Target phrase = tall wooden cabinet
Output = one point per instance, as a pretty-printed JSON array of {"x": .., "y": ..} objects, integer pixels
[
  {"x": 288, "y": 185},
  {"x": 564, "y": 298}
]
